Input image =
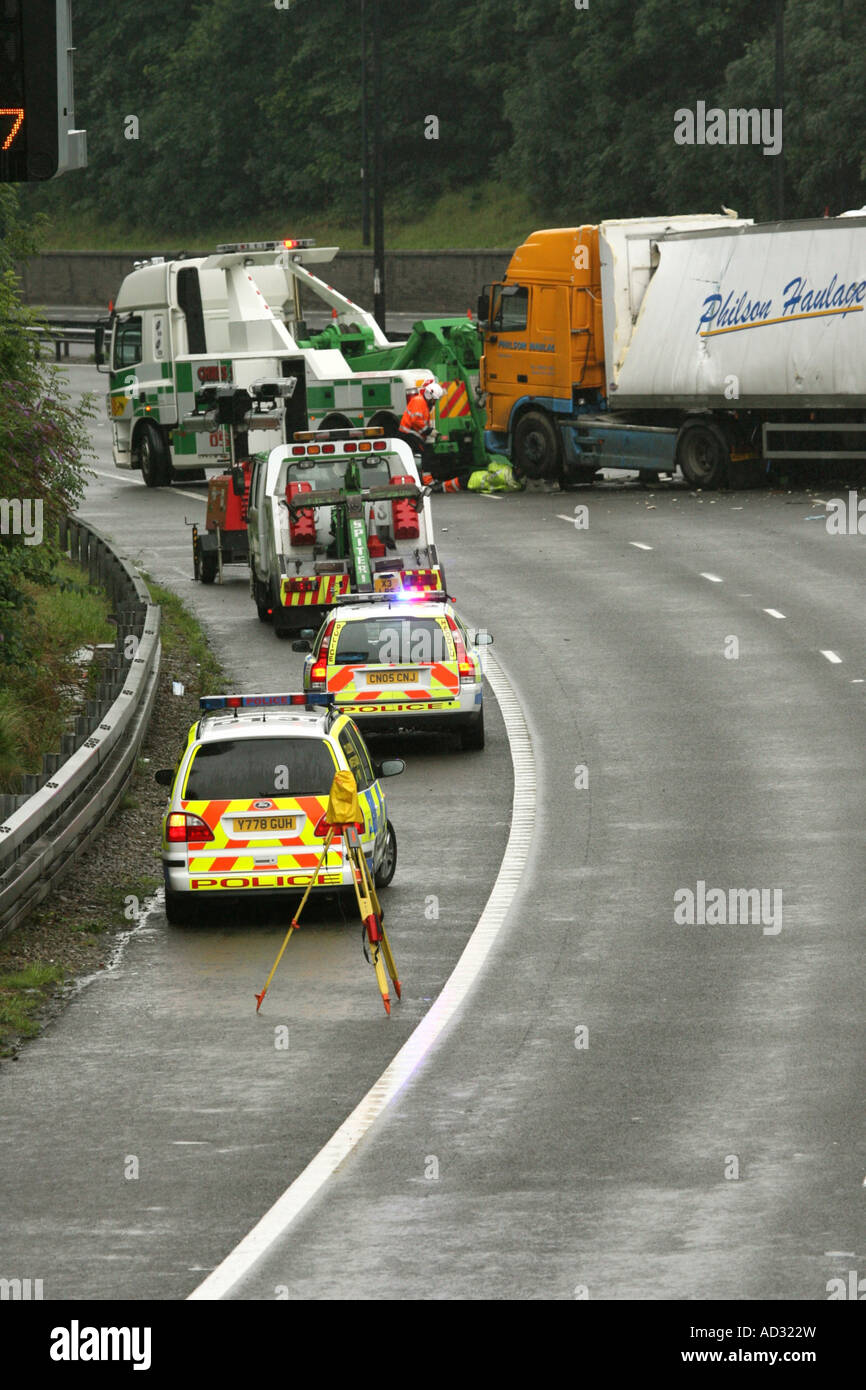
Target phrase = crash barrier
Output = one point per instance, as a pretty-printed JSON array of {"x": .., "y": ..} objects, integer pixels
[
  {"x": 61, "y": 332},
  {"x": 62, "y": 807}
]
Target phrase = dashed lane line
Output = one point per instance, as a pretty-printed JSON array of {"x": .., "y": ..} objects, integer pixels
[
  {"x": 833, "y": 658},
  {"x": 275, "y": 1222}
]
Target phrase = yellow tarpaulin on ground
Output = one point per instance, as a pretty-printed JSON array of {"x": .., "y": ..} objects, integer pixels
[{"x": 497, "y": 477}]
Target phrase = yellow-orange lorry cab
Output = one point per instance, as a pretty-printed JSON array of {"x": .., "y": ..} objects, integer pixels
[{"x": 655, "y": 343}]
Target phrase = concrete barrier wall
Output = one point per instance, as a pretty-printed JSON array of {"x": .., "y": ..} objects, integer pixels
[{"x": 422, "y": 282}]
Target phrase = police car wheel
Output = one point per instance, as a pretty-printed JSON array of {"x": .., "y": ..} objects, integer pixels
[
  {"x": 388, "y": 862},
  {"x": 472, "y": 737},
  {"x": 179, "y": 910}
]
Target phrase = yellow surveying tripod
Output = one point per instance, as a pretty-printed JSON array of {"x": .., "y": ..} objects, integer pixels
[
  {"x": 372, "y": 916},
  {"x": 343, "y": 816}
]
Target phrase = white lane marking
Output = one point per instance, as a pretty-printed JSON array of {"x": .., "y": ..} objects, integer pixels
[
  {"x": 491, "y": 496},
  {"x": 774, "y": 612},
  {"x": 833, "y": 658},
  {"x": 713, "y": 578},
  {"x": 859, "y": 681},
  {"x": 562, "y": 516},
  {"x": 639, "y": 545},
  {"x": 118, "y": 477},
  {"x": 460, "y": 982}
]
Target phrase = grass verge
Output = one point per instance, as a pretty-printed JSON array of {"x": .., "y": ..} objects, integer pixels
[
  {"x": 75, "y": 931},
  {"x": 66, "y": 617}
]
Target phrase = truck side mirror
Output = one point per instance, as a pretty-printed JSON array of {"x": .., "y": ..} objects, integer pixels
[
  {"x": 99, "y": 345},
  {"x": 239, "y": 481},
  {"x": 484, "y": 309}
]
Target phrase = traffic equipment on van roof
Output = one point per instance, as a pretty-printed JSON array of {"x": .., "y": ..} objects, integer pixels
[{"x": 288, "y": 244}]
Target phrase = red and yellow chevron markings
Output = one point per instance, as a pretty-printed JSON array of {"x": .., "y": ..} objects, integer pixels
[{"x": 455, "y": 401}]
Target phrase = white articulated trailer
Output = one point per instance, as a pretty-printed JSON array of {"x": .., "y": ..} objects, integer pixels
[
  {"x": 721, "y": 350},
  {"x": 180, "y": 325}
]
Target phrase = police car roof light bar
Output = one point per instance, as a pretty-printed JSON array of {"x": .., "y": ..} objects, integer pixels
[
  {"x": 212, "y": 704},
  {"x": 393, "y": 596}
]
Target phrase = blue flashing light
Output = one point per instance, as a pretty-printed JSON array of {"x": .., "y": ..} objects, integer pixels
[{"x": 210, "y": 703}]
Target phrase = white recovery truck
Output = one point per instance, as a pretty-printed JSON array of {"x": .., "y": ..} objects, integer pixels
[
  {"x": 180, "y": 325},
  {"x": 336, "y": 512}
]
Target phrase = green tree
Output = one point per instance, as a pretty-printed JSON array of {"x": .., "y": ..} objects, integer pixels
[{"x": 43, "y": 442}]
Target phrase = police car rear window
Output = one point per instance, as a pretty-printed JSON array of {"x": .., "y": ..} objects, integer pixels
[
  {"x": 260, "y": 767},
  {"x": 393, "y": 641}
]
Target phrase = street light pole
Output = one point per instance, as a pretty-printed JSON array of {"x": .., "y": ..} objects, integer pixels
[
  {"x": 780, "y": 85},
  {"x": 365, "y": 174},
  {"x": 378, "y": 190}
]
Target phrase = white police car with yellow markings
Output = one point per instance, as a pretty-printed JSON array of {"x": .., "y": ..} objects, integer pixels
[
  {"x": 400, "y": 662},
  {"x": 249, "y": 792}
]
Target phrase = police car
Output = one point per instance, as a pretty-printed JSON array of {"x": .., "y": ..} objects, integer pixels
[
  {"x": 399, "y": 662},
  {"x": 247, "y": 796}
]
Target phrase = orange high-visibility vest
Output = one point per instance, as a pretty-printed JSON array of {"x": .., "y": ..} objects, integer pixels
[{"x": 416, "y": 416}]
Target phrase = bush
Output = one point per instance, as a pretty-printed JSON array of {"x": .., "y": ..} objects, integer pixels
[{"x": 43, "y": 443}]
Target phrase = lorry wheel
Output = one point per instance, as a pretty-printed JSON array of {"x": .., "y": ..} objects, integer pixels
[
  {"x": 536, "y": 447},
  {"x": 703, "y": 454},
  {"x": 209, "y": 566},
  {"x": 388, "y": 421},
  {"x": 335, "y": 422},
  {"x": 153, "y": 453}
]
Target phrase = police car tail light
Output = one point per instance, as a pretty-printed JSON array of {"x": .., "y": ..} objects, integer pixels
[
  {"x": 319, "y": 670},
  {"x": 184, "y": 828},
  {"x": 465, "y": 667}
]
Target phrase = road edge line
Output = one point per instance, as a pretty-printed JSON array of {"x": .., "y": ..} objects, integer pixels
[{"x": 277, "y": 1219}]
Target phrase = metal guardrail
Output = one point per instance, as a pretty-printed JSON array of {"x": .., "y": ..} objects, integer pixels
[
  {"x": 80, "y": 786},
  {"x": 62, "y": 332}
]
